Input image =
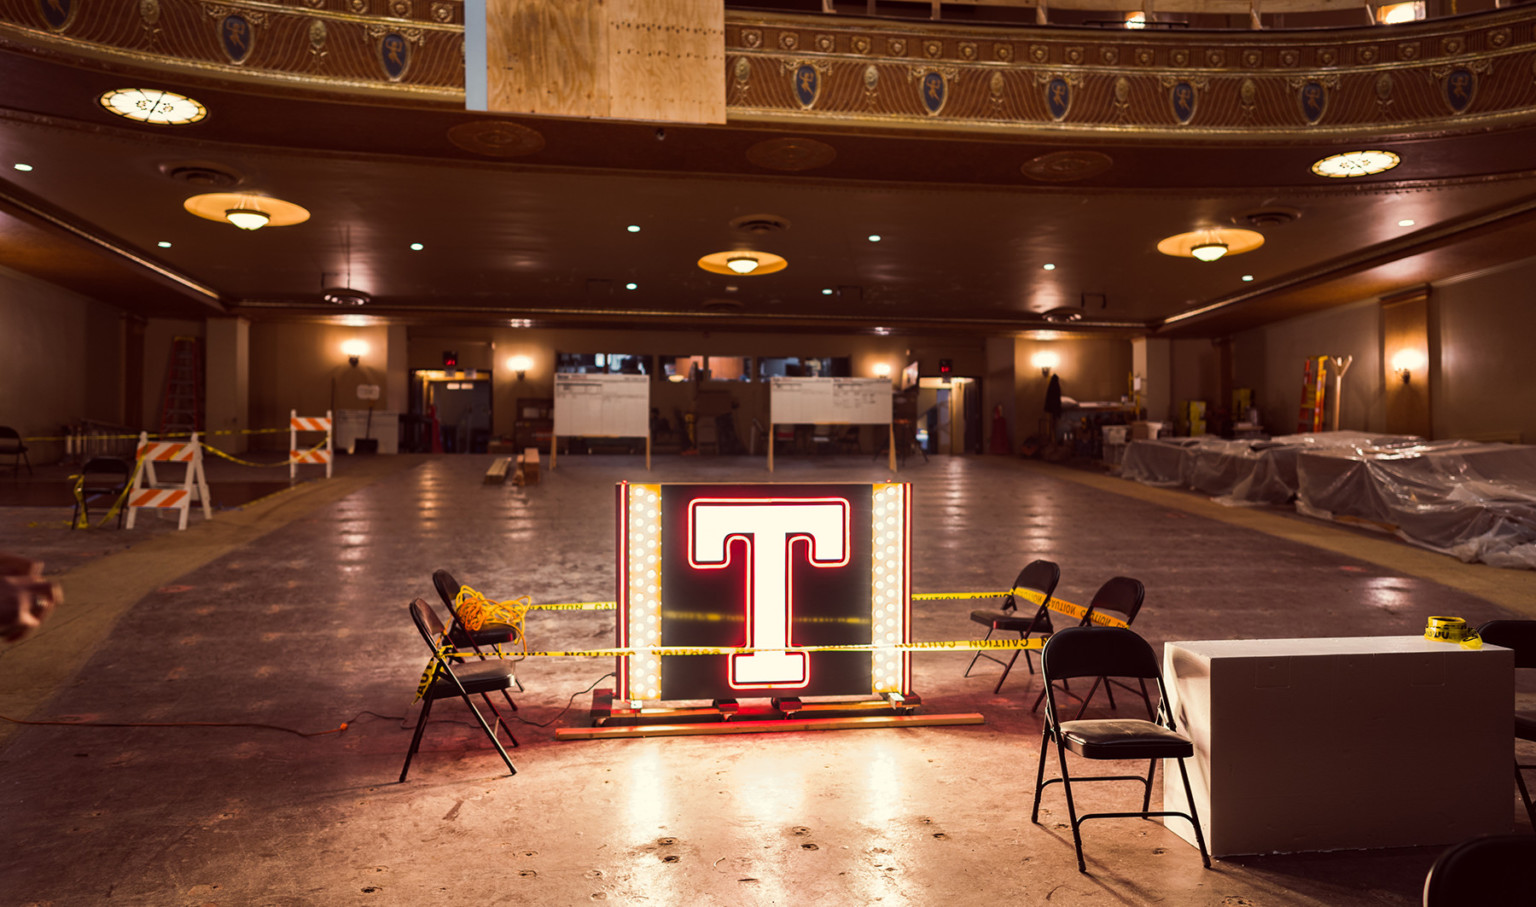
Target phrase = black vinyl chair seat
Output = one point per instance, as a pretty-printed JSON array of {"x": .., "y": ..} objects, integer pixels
[
  {"x": 1124, "y": 738},
  {"x": 476, "y": 677},
  {"x": 1525, "y": 725},
  {"x": 491, "y": 634},
  {"x": 1014, "y": 621},
  {"x": 102, "y": 477},
  {"x": 487, "y": 635}
]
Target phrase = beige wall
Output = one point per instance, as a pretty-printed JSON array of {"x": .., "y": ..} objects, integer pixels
[
  {"x": 300, "y": 366},
  {"x": 1091, "y": 369},
  {"x": 1486, "y": 382},
  {"x": 61, "y": 360},
  {"x": 1270, "y": 359}
]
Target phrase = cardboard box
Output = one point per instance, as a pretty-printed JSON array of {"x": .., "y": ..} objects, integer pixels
[{"x": 1335, "y": 744}]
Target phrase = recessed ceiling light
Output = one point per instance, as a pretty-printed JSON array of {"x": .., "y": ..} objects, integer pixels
[
  {"x": 874, "y": 237},
  {"x": 1355, "y": 163},
  {"x": 153, "y": 105},
  {"x": 1048, "y": 266},
  {"x": 1405, "y": 222},
  {"x": 826, "y": 291},
  {"x": 417, "y": 247},
  {"x": 1247, "y": 278},
  {"x": 163, "y": 244},
  {"x": 24, "y": 168},
  {"x": 633, "y": 228},
  {"x": 631, "y": 286}
]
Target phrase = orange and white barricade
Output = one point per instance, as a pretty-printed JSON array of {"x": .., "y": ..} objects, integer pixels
[
  {"x": 317, "y": 456},
  {"x": 148, "y": 492}
]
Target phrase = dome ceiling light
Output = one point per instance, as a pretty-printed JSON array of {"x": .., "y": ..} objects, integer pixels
[
  {"x": 1355, "y": 163},
  {"x": 155, "y": 106},
  {"x": 1211, "y": 243},
  {"x": 245, "y": 210},
  {"x": 743, "y": 263}
]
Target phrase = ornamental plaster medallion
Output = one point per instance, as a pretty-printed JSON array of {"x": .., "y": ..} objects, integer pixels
[
  {"x": 1327, "y": 56},
  {"x": 871, "y": 77},
  {"x": 1109, "y": 56},
  {"x": 967, "y": 50},
  {"x": 149, "y": 12},
  {"x": 1408, "y": 50},
  {"x": 1144, "y": 56},
  {"x": 791, "y": 154},
  {"x": 1074, "y": 55},
  {"x": 1499, "y": 37},
  {"x": 317, "y": 35},
  {"x": 1366, "y": 55},
  {"x": 400, "y": 9},
  {"x": 1252, "y": 58},
  {"x": 1450, "y": 47},
  {"x": 1289, "y": 57},
  {"x": 861, "y": 44},
  {"x": 789, "y": 40},
  {"x": 442, "y": 12},
  {"x": 1066, "y": 166},
  {"x": 934, "y": 49},
  {"x": 1215, "y": 58},
  {"x": 496, "y": 138},
  {"x": 358, "y": 6},
  {"x": 896, "y": 47},
  {"x": 1039, "y": 53},
  {"x": 1179, "y": 57},
  {"x": 743, "y": 70},
  {"x": 996, "y": 84},
  {"x": 752, "y": 38},
  {"x": 1003, "y": 52},
  {"x": 826, "y": 43}
]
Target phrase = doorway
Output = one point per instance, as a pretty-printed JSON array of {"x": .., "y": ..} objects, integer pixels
[{"x": 450, "y": 411}]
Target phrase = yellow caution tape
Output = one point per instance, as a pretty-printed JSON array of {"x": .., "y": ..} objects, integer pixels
[
  {"x": 962, "y": 645},
  {"x": 445, "y": 649},
  {"x": 159, "y": 437},
  {"x": 1058, "y": 605},
  {"x": 1452, "y": 629},
  {"x": 234, "y": 459}
]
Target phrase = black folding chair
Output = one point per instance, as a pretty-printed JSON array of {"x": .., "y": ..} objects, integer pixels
[
  {"x": 1037, "y": 576},
  {"x": 1519, "y": 635},
  {"x": 457, "y": 680},
  {"x": 1492, "y": 871},
  {"x": 1121, "y": 598},
  {"x": 491, "y": 634},
  {"x": 102, "y": 477},
  {"x": 12, "y": 446},
  {"x": 1110, "y": 652}
]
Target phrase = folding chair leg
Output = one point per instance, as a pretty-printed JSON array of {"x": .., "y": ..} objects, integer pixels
[
  {"x": 499, "y": 720},
  {"x": 1006, "y": 668},
  {"x": 489, "y": 732},
  {"x": 1194, "y": 817},
  {"x": 421, "y": 725},
  {"x": 1525, "y": 796},
  {"x": 1034, "y": 815},
  {"x": 978, "y": 654},
  {"x": 508, "y": 697}
]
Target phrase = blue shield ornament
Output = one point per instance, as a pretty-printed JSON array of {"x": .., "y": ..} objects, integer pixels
[
  {"x": 933, "y": 89},
  {"x": 1181, "y": 97},
  {"x": 236, "y": 37},
  {"x": 1314, "y": 100},
  {"x": 1460, "y": 88},
  {"x": 394, "y": 55},
  {"x": 57, "y": 13},
  {"x": 807, "y": 84},
  {"x": 1058, "y": 98}
]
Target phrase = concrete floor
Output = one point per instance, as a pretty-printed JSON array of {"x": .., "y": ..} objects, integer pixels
[{"x": 290, "y": 611}]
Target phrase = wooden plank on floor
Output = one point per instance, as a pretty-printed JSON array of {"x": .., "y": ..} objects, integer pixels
[{"x": 768, "y": 727}]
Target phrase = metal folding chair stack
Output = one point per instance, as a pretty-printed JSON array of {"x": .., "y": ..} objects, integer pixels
[{"x": 1121, "y": 599}]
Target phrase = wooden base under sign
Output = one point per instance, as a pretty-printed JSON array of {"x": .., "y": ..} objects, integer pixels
[{"x": 765, "y": 727}]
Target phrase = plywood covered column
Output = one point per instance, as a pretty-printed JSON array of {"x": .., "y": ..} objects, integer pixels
[{"x": 660, "y": 60}]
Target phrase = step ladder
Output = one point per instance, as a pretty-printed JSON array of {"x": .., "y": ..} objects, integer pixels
[{"x": 181, "y": 406}]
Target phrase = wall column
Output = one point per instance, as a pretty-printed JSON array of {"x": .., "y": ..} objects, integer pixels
[
  {"x": 1152, "y": 363},
  {"x": 228, "y": 383}
]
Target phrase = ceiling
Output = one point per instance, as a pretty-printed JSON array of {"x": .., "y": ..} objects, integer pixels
[{"x": 965, "y": 237}]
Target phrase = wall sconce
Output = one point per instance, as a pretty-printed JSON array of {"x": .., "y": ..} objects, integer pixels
[
  {"x": 882, "y": 370},
  {"x": 1404, "y": 362},
  {"x": 1045, "y": 360},
  {"x": 519, "y": 364},
  {"x": 354, "y": 349}
]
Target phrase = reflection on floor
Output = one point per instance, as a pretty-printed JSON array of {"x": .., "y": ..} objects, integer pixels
[{"x": 291, "y": 612}]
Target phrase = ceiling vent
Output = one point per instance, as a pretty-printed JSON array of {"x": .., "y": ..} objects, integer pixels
[
  {"x": 343, "y": 296},
  {"x": 1064, "y": 314},
  {"x": 760, "y": 224},
  {"x": 1270, "y": 217},
  {"x": 201, "y": 174}
]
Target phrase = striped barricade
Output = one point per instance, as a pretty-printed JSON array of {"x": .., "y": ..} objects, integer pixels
[
  {"x": 315, "y": 456},
  {"x": 148, "y": 492}
]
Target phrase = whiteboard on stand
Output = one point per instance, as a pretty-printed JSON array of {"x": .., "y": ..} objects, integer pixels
[
  {"x": 603, "y": 406},
  {"x": 835, "y": 401}
]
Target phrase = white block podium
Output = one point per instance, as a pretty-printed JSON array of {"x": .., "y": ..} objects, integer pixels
[{"x": 1333, "y": 744}]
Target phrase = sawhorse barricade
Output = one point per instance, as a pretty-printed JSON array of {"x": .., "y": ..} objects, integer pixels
[
  {"x": 318, "y": 456},
  {"x": 147, "y": 492}
]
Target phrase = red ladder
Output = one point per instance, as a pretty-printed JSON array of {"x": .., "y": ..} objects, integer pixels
[{"x": 181, "y": 406}]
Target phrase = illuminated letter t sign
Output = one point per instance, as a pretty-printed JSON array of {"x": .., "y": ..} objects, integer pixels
[{"x": 768, "y": 531}]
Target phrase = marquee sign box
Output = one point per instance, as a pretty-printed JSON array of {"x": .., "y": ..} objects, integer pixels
[{"x": 769, "y": 568}]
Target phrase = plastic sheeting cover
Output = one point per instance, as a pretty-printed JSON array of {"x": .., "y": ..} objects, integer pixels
[{"x": 1474, "y": 501}]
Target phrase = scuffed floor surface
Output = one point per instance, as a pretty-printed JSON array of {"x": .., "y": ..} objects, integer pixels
[{"x": 306, "y": 627}]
